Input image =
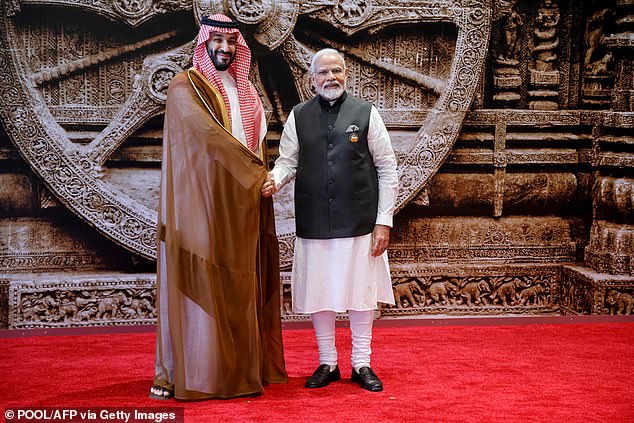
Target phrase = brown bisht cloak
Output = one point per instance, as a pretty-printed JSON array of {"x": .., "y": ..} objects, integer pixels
[{"x": 219, "y": 329}]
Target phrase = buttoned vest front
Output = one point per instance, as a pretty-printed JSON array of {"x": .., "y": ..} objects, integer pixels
[{"x": 336, "y": 185}]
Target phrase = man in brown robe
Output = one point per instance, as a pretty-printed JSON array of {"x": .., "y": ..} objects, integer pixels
[{"x": 219, "y": 330}]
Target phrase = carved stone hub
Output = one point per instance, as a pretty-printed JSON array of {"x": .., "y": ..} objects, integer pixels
[
  {"x": 251, "y": 12},
  {"x": 353, "y": 12},
  {"x": 132, "y": 8}
]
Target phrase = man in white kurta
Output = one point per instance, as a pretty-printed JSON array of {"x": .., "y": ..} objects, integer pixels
[{"x": 334, "y": 273}]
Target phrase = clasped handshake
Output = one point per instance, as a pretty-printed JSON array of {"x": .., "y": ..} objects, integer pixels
[{"x": 268, "y": 188}]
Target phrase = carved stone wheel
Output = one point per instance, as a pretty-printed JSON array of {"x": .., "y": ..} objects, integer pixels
[{"x": 396, "y": 57}]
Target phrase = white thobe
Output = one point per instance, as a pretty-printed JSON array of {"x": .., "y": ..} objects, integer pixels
[
  {"x": 237, "y": 127},
  {"x": 340, "y": 274}
]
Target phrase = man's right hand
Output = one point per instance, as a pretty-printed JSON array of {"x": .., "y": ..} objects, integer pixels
[{"x": 268, "y": 188}]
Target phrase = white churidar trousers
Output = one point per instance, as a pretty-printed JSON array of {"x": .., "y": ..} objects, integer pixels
[{"x": 361, "y": 329}]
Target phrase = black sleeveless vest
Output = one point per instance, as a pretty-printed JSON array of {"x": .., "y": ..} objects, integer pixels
[{"x": 336, "y": 184}]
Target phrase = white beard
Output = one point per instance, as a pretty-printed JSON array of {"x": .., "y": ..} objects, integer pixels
[{"x": 331, "y": 93}]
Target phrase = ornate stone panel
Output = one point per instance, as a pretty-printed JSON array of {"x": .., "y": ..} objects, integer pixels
[
  {"x": 544, "y": 73},
  {"x": 598, "y": 61},
  {"x": 132, "y": 12},
  {"x": 50, "y": 245},
  {"x": 584, "y": 291},
  {"x": 482, "y": 240},
  {"x": 611, "y": 246},
  {"x": 75, "y": 300},
  {"x": 473, "y": 289}
]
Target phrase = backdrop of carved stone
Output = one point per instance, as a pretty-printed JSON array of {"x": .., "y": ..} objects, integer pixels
[
  {"x": 54, "y": 300},
  {"x": 93, "y": 74},
  {"x": 512, "y": 122}
]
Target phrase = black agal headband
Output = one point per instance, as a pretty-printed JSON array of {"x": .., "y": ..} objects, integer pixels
[{"x": 220, "y": 24}]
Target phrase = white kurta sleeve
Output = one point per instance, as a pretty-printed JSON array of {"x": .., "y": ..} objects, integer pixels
[
  {"x": 286, "y": 164},
  {"x": 380, "y": 147}
]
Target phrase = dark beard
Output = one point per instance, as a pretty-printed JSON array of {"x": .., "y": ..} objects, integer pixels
[{"x": 221, "y": 66}]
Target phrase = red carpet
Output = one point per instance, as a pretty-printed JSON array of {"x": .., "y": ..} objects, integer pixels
[{"x": 519, "y": 373}]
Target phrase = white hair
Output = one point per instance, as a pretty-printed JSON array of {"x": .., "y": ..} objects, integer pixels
[{"x": 323, "y": 52}]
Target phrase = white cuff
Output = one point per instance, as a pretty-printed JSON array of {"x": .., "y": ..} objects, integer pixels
[{"x": 384, "y": 219}]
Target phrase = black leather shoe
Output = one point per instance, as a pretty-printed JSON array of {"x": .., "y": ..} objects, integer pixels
[
  {"x": 367, "y": 379},
  {"x": 322, "y": 377}
]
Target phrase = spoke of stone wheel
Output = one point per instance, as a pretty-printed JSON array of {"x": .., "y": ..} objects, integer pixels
[
  {"x": 133, "y": 13},
  {"x": 138, "y": 109},
  {"x": 256, "y": 78},
  {"x": 436, "y": 85},
  {"x": 298, "y": 57},
  {"x": 47, "y": 75}
]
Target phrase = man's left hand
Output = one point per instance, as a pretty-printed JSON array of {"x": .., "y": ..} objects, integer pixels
[{"x": 380, "y": 239}]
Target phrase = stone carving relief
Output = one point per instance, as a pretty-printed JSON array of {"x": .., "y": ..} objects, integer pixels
[
  {"x": 544, "y": 72},
  {"x": 598, "y": 62},
  {"x": 473, "y": 239},
  {"x": 621, "y": 42},
  {"x": 506, "y": 71},
  {"x": 619, "y": 302},
  {"x": 86, "y": 306},
  {"x": 583, "y": 292},
  {"x": 132, "y": 12},
  {"x": 75, "y": 172},
  {"x": 94, "y": 302},
  {"x": 442, "y": 290},
  {"x": 576, "y": 297},
  {"x": 499, "y": 191}
]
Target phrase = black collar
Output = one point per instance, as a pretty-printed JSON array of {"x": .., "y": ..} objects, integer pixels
[{"x": 326, "y": 103}]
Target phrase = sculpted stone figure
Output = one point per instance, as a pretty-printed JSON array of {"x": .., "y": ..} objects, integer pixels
[
  {"x": 109, "y": 306},
  {"x": 619, "y": 302},
  {"x": 351, "y": 8},
  {"x": 546, "y": 39},
  {"x": 68, "y": 311},
  {"x": 138, "y": 307},
  {"x": 507, "y": 292},
  {"x": 440, "y": 291},
  {"x": 595, "y": 29},
  {"x": 507, "y": 47},
  {"x": 531, "y": 294},
  {"x": 475, "y": 293},
  {"x": 86, "y": 314},
  {"x": 408, "y": 294}
]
